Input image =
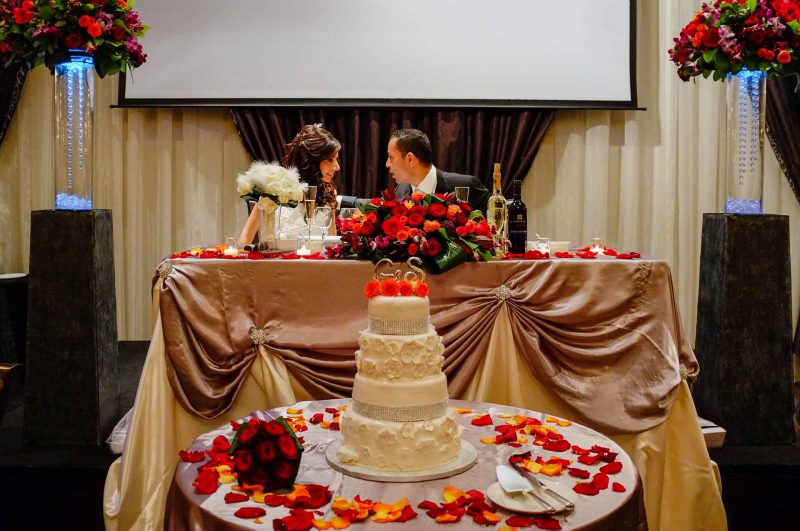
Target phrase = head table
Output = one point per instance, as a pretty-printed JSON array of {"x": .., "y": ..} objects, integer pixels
[
  {"x": 609, "y": 510},
  {"x": 598, "y": 341}
]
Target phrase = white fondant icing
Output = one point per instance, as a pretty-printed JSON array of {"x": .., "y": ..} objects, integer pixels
[
  {"x": 429, "y": 390},
  {"x": 402, "y": 308}
]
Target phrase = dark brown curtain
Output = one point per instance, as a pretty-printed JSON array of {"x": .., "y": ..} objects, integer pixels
[
  {"x": 783, "y": 132},
  {"x": 11, "y": 81},
  {"x": 464, "y": 141}
]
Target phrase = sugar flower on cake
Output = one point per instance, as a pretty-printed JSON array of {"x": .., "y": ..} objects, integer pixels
[{"x": 271, "y": 180}]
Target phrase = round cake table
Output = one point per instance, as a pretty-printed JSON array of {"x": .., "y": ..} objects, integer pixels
[{"x": 612, "y": 510}]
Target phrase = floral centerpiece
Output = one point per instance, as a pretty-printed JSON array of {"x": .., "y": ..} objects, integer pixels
[
  {"x": 742, "y": 42},
  {"x": 45, "y": 32},
  {"x": 440, "y": 230},
  {"x": 266, "y": 453}
]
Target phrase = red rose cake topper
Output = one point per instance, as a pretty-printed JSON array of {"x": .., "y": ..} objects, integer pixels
[{"x": 397, "y": 284}]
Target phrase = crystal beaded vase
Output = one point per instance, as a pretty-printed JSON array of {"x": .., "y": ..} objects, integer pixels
[
  {"x": 745, "y": 165},
  {"x": 74, "y": 110},
  {"x": 270, "y": 226}
]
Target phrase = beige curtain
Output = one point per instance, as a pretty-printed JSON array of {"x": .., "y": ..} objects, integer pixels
[{"x": 640, "y": 179}]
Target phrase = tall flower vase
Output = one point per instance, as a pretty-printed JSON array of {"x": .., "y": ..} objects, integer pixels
[
  {"x": 745, "y": 166},
  {"x": 74, "y": 109},
  {"x": 270, "y": 226}
]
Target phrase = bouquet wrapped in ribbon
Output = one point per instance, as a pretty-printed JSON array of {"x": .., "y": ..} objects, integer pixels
[
  {"x": 267, "y": 453},
  {"x": 440, "y": 230},
  {"x": 272, "y": 182}
]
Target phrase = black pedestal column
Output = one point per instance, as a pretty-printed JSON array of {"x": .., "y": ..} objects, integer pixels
[
  {"x": 744, "y": 329},
  {"x": 72, "y": 388}
]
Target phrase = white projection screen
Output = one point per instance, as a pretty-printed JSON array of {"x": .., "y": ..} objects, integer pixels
[{"x": 505, "y": 53}]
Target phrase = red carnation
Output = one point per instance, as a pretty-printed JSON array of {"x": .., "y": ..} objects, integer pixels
[
  {"x": 389, "y": 287},
  {"x": 287, "y": 446},
  {"x": 437, "y": 210},
  {"x": 273, "y": 428},
  {"x": 432, "y": 247},
  {"x": 73, "y": 40},
  {"x": 94, "y": 30},
  {"x": 84, "y": 21},
  {"x": 711, "y": 38},
  {"x": 391, "y": 226},
  {"x": 372, "y": 289},
  {"x": 118, "y": 33},
  {"x": 265, "y": 451},
  {"x": 784, "y": 57},
  {"x": 406, "y": 289},
  {"x": 415, "y": 219},
  {"x": 763, "y": 53},
  {"x": 242, "y": 460}
]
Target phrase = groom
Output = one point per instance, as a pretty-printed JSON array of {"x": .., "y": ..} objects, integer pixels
[{"x": 409, "y": 160}]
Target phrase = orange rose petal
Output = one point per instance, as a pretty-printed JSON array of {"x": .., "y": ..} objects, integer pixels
[
  {"x": 291, "y": 411},
  {"x": 399, "y": 505},
  {"x": 564, "y": 423},
  {"x": 451, "y": 494},
  {"x": 522, "y": 440},
  {"x": 257, "y": 521},
  {"x": 505, "y": 416},
  {"x": 552, "y": 470},
  {"x": 258, "y": 496},
  {"x": 321, "y": 524},
  {"x": 551, "y": 419},
  {"x": 342, "y": 408},
  {"x": 340, "y": 523},
  {"x": 508, "y": 528},
  {"x": 532, "y": 466},
  {"x": 491, "y": 517},
  {"x": 325, "y": 425},
  {"x": 446, "y": 518},
  {"x": 463, "y": 410},
  {"x": 488, "y": 440}
]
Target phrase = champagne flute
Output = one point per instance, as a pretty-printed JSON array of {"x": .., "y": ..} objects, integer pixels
[
  {"x": 323, "y": 217},
  {"x": 309, "y": 201}
]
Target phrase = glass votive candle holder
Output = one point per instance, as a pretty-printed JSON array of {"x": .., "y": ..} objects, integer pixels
[
  {"x": 231, "y": 246},
  {"x": 462, "y": 193},
  {"x": 597, "y": 245},
  {"x": 543, "y": 245},
  {"x": 303, "y": 245}
]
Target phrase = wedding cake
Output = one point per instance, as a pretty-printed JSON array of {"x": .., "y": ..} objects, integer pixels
[{"x": 399, "y": 419}]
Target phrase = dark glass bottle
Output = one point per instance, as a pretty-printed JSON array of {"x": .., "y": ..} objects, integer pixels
[{"x": 517, "y": 220}]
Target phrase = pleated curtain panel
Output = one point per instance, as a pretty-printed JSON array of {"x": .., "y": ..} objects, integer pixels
[{"x": 463, "y": 141}]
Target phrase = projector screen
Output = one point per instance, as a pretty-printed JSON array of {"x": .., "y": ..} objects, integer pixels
[{"x": 508, "y": 53}]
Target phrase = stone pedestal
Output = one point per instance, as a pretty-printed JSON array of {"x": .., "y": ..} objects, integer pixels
[
  {"x": 72, "y": 387},
  {"x": 744, "y": 330}
]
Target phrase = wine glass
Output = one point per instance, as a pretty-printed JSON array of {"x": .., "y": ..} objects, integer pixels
[
  {"x": 323, "y": 217},
  {"x": 309, "y": 202}
]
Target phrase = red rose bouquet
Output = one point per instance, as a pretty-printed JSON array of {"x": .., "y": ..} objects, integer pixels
[
  {"x": 438, "y": 229},
  {"x": 725, "y": 37},
  {"x": 40, "y": 32},
  {"x": 267, "y": 453}
]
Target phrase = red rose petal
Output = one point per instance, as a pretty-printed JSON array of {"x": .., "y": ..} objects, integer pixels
[
  {"x": 547, "y": 523},
  {"x": 235, "y": 497},
  {"x": 334, "y": 426},
  {"x": 483, "y": 420},
  {"x": 611, "y": 468},
  {"x": 273, "y": 500},
  {"x": 599, "y": 449},
  {"x": 406, "y": 514},
  {"x": 587, "y": 489},
  {"x": 557, "y": 446},
  {"x": 610, "y": 457},
  {"x": 520, "y": 521},
  {"x": 578, "y": 473},
  {"x": 316, "y": 418},
  {"x": 577, "y": 450},
  {"x": 427, "y": 505},
  {"x": 250, "y": 512},
  {"x": 600, "y": 481},
  {"x": 618, "y": 487},
  {"x": 588, "y": 459},
  {"x": 191, "y": 457}
]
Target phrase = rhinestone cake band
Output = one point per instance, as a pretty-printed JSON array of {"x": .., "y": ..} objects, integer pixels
[
  {"x": 401, "y": 413},
  {"x": 398, "y": 327}
]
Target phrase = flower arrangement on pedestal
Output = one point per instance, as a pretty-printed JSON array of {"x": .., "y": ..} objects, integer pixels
[
  {"x": 438, "y": 229},
  {"x": 45, "y": 32},
  {"x": 743, "y": 42}
]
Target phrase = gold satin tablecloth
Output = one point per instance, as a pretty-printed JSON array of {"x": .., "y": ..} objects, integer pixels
[
  {"x": 608, "y": 511},
  {"x": 598, "y": 342}
]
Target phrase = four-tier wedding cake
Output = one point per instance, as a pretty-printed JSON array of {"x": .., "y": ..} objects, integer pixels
[{"x": 399, "y": 419}]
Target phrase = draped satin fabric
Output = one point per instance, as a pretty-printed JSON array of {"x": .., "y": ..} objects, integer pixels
[{"x": 603, "y": 335}]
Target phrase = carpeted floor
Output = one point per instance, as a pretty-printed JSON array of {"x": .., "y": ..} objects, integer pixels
[{"x": 63, "y": 489}]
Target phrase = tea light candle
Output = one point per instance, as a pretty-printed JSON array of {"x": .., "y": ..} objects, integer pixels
[
  {"x": 231, "y": 247},
  {"x": 303, "y": 248},
  {"x": 597, "y": 245}
]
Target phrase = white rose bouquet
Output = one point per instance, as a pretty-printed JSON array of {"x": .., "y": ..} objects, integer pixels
[{"x": 272, "y": 181}]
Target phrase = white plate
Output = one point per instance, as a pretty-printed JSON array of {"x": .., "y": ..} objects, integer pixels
[{"x": 519, "y": 502}]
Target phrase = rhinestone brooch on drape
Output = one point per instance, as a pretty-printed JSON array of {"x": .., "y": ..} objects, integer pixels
[
  {"x": 502, "y": 292},
  {"x": 259, "y": 336}
]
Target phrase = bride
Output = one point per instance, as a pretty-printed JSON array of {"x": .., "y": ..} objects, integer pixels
[{"x": 315, "y": 153}]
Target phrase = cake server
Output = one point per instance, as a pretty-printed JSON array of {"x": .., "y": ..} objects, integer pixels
[
  {"x": 513, "y": 482},
  {"x": 526, "y": 474}
]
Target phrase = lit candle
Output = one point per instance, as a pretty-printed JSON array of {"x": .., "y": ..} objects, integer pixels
[
  {"x": 598, "y": 245},
  {"x": 231, "y": 247}
]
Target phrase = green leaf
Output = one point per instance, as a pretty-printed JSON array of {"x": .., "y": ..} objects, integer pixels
[
  {"x": 718, "y": 74},
  {"x": 475, "y": 214},
  {"x": 709, "y": 55},
  {"x": 46, "y": 13},
  {"x": 794, "y": 24},
  {"x": 751, "y": 5}
]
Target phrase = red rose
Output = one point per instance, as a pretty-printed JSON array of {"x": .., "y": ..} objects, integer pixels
[
  {"x": 4, "y": 47},
  {"x": 400, "y": 210},
  {"x": 462, "y": 231},
  {"x": 421, "y": 289},
  {"x": 784, "y": 57},
  {"x": 406, "y": 289},
  {"x": 763, "y": 53},
  {"x": 287, "y": 446},
  {"x": 375, "y": 201},
  {"x": 85, "y": 21},
  {"x": 273, "y": 428},
  {"x": 368, "y": 228},
  {"x": 118, "y": 33},
  {"x": 94, "y": 30},
  {"x": 391, "y": 226},
  {"x": 412, "y": 249},
  {"x": 265, "y": 451},
  {"x": 415, "y": 219},
  {"x": 27, "y": 4},
  {"x": 390, "y": 204},
  {"x": 242, "y": 460},
  {"x": 756, "y": 37},
  {"x": 752, "y": 19},
  {"x": 389, "y": 287},
  {"x": 711, "y": 38},
  {"x": 437, "y": 210},
  {"x": 22, "y": 16},
  {"x": 460, "y": 219},
  {"x": 247, "y": 433},
  {"x": 372, "y": 289},
  {"x": 283, "y": 470},
  {"x": 483, "y": 229},
  {"x": 432, "y": 247},
  {"x": 259, "y": 476}
]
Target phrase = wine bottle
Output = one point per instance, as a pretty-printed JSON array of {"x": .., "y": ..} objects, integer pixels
[
  {"x": 497, "y": 209},
  {"x": 517, "y": 220}
]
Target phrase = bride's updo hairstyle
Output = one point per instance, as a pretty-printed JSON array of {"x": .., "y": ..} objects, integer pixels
[{"x": 310, "y": 146}]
